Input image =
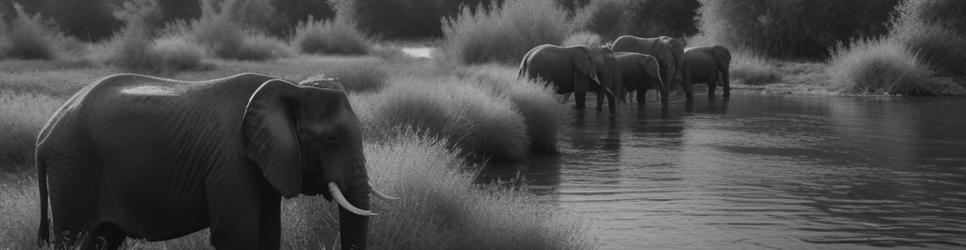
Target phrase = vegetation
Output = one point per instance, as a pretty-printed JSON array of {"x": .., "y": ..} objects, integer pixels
[
  {"x": 329, "y": 37},
  {"x": 877, "y": 67},
  {"x": 504, "y": 34},
  {"x": 29, "y": 36},
  {"x": 648, "y": 18},
  {"x": 583, "y": 38},
  {"x": 21, "y": 117}
]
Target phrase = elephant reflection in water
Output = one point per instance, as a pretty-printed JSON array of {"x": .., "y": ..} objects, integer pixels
[{"x": 151, "y": 158}]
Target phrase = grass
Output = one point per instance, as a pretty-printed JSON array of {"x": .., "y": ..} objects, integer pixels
[
  {"x": 29, "y": 37},
  {"x": 505, "y": 34},
  {"x": 22, "y": 115},
  {"x": 752, "y": 69},
  {"x": 541, "y": 111},
  {"x": 474, "y": 120},
  {"x": 335, "y": 37},
  {"x": 583, "y": 38}
]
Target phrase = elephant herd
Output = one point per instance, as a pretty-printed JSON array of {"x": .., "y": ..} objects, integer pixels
[{"x": 628, "y": 64}]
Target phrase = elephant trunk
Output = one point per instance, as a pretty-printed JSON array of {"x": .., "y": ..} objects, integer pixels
[{"x": 354, "y": 227}]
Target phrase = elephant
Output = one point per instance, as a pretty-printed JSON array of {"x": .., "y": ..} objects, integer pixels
[
  {"x": 576, "y": 69},
  {"x": 640, "y": 72},
  {"x": 709, "y": 64},
  {"x": 151, "y": 158},
  {"x": 669, "y": 53}
]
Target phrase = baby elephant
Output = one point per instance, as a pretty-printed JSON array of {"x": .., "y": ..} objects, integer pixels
[
  {"x": 708, "y": 64},
  {"x": 640, "y": 72}
]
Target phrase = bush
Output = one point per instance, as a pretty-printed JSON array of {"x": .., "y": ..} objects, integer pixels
[
  {"x": 131, "y": 49},
  {"x": 752, "y": 69},
  {"x": 538, "y": 104},
  {"x": 878, "y": 66},
  {"x": 227, "y": 39},
  {"x": 30, "y": 37},
  {"x": 792, "y": 29},
  {"x": 177, "y": 53},
  {"x": 473, "y": 120},
  {"x": 337, "y": 37},
  {"x": 361, "y": 75},
  {"x": 504, "y": 34},
  {"x": 439, "y": 208},
  {"x": 582, "y": 38},
  {"x": 395, "y": 19},
  {"x": 935, "y": 31},
  {"x": 22, "y": 115},
  {"x": 647, "y": 18},
  {"x": 261, "y": 47}
]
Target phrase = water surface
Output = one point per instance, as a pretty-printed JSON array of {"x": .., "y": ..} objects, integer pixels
[{"x": 763, "y": 172}]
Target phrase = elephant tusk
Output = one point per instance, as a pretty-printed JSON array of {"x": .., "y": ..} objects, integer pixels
[
  {"x": 337, "y": 194},
  {"x": 381, "y": 194}
]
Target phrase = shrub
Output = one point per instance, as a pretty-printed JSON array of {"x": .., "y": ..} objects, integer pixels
[
  {"x": 504, "y": 34},
  {"x": 793, "y": 28},
  {"x": 131, "y": 49},
  {"x": 935, "y": 31},
  {"x": 537, "y": 103},
  {"x": 647, "y": 18},
  {"x": 878, "y": 66},
  {"x": 225, "y": 38},
  {"x": 261, "y": 47},
  {"x": 473, "y": 120},
  {"x": 218, "y": 35},
  {"x": 439, "y": 208},
  {"x": 22, "y": 115},
  {"x": 360, "y": 75},
  {"x": 394, "y": 19},
  {"x": 336, "y": 37},
  {"x": 582, "y": 38},
  {"x": 177, "y": 53},
  {"x": 30, "y": 37}
]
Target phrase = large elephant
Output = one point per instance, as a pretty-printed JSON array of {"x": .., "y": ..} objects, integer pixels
[
  {"x": 669, "y": 53},
  {"x": 639, "y": 73},
  {"x": 151, "y": 158},
  {"x": 708, "y": 64},
  {"x": 576, "y": 69}
]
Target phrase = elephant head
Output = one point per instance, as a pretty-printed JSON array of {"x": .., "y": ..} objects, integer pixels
[
  {"x": 308, "y": 140},
  {"x": 599, "y": 64}
]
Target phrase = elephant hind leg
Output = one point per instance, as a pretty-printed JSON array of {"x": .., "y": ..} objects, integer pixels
[{"x": 103, "y": 236}]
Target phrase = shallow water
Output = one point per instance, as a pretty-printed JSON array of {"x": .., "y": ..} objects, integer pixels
[{"x": 757, "y": 171}]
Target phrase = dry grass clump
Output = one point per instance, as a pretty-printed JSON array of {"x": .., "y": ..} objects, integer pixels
[
  {"x": 541, "y": 111},
  {"x": 323, "y": 37},
  {"x": 504, "y": 34},
  {"x": 878, "y": 66},
  {"x": 470, "y": 117},
  {"x": 583, "y": 38},
  {"x": 752, "y": 69},
  {"x": 22, "y": 115}
]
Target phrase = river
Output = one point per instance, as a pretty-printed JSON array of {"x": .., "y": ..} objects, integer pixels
[{"x": 763, "y": 172}]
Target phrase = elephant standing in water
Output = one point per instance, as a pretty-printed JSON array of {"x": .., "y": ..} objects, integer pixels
[
  {"x": 155, "y": 159},
  {"x": 669, "y": 53},
  {"x": 640, "y": 72},
  {"x": 576, "y": 69},
  {"x": 708, "y": 64}
]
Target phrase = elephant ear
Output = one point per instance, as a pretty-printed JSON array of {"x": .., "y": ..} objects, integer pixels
[
  {"x": 269, "y": 132},
  {"x": 582, "y": 61}
]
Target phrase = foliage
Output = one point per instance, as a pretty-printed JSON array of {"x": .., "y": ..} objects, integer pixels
[
  {"x": 223, "y": 37},
  {"x": 89, "y": 20},
  {"x": 878, "y": 66},
  {"x": 792, "y": 29},
  {"x": 936, "y": 30},
  {"x": 583, "y": 38},
  {"x": 335, "y": 37},
  {"x": 504, "y": 34},
  {"x": 397, "y": 19},
  {"x": 29, "y": 37},
  {"x": 177, "y": 53},
  {"x": 752, "y": 69},
  {"x": 647, "y": 18}
]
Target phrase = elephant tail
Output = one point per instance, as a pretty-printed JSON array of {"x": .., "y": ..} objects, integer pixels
[{"x": 43, "y": 231}]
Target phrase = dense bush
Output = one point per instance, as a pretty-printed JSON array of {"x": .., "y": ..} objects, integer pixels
[
  {"x": 647, "y": 18},
  {"x": 89, "y": 20},
  {"x": 473, "y": 119},
  {"x": 936, "y": 31},
  {"x": 29, "y": 37},
  {"x": 394, "y": 19},
  {"x": 748, "y": 68},
  {"x": 504, "y": 34},
  {"x": 334, "y": 37},
  {"x": 223, "y": 37},
  {"x": 878, "y": 66},
  {"x": 177, "y": 53},
  {"x": 583, "y": 38},
  {"x": 538, "y": 104},
  {"x": 793, "y": 28}
]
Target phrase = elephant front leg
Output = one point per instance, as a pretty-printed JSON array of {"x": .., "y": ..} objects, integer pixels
[
  {"x": 611, "y": 103},
  {"x": 235, "y": 209},
  {"x": 641, "y": 93},
  {"x": 712, "y": 87},
  {"x": 579, "y": 99},
  {"x": 600, "y": 100}
]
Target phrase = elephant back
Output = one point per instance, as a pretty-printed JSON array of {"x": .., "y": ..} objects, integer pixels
[{"x": 550, "y": 64}]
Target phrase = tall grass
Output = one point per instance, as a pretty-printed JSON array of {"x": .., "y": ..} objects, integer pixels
[
  {"x": 752, "y": 69},
  {"x": 324, "y": 37},
  {"x": 878, "y": 66},
  {"x": 505, "y": 34},
  {"x": 583, "y": 38},
  {"x": 473, "y": 120},
  {"x": 22, "y": 115},
  {"x": 439, "y": 208},
  {"x": 541, "y": 111}
]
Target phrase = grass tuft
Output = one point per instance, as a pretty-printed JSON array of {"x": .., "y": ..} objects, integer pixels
[
  {"x": 879, "y": 66},
  {"x": 22, "y": 115},
  {"x": 335, "y": 37},
  {"x": 752, "y": 69},
  {"x": 583, "y": 38},
  {"x": 473, "y": 120}
]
